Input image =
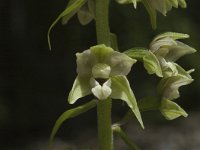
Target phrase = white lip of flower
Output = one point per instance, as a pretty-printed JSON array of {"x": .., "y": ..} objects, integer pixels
[
  {"x": 101, "y": 62},
  {"x": 101, "y": 91}
]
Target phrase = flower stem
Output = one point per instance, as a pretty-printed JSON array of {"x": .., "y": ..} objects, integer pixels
[
  {"x": 102, "y": 22},
  {"x": 105, "y": 134},
  {"x": 104, "y": 125}
]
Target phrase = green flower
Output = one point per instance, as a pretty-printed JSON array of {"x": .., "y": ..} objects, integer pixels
[
  {"x": 168, "y": 50},
  {"x": 98, "y": 65},
  {"x": 102, "y": 72}
]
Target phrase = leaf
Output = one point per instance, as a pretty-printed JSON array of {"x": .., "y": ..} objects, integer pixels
[
  {"x": 70, "y": 114},
  {"x": 149, "y": 103},
  {"x": 173, "y": 35},
  {"x": 67, "y": 12},
  {"x": 151, "y": 63},
  {"x": 81, "y": 88},
  {"x": 171, "y": 110},
  {"x": 118, "y": 130},
  {"x": 122, "y": 90},
  {"x": 152, "y": 13}
]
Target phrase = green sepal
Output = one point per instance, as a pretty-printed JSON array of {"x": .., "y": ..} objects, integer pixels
[
  {"x": 152, "y": 13},
  {"x": 81, "y": 88},
  {"x": 122, "y": 90},
  {"x": 168, "y": 87},
  {"x": 149, "y": 103},
  {"x": 173, "y": 35},
  {"x": 70, "y": 114},
  {"x": 67, "y": 13},
  {"x": 151, "y": 63},
  {"x": 171, "y": 110}
]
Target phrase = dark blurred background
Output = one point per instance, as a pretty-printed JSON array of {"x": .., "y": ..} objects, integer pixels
[{"x": 34, "y": 82}]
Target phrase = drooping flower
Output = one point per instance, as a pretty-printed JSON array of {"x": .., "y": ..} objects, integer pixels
[
  {"x": 102, "y": 72},
  {"x": 168, "y": 50}
]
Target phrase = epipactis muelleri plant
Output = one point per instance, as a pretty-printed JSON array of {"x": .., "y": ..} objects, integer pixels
[{"x": 102, "y": 69}]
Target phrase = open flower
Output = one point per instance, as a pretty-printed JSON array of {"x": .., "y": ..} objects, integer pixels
[
  {"x": 102, "y": 72},
  {"x": 168, "y": 50},
  {"x": 97, "y": 65}
]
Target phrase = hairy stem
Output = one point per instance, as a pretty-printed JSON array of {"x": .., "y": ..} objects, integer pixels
[
  {"x": 102, "y": 22},
  {"x": 104, "y": 125},
  {"x": 105, "y": 134}
]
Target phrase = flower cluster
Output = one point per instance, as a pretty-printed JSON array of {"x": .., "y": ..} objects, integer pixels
[{"x": 168, "y": 49}]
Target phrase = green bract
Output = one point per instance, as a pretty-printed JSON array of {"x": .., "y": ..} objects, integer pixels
[
  {"x": 102, "y": 72},
  {"x": 167, "y": 49}
]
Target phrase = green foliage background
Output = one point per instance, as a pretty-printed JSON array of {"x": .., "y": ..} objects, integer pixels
[{"x": 34, "y": 82}]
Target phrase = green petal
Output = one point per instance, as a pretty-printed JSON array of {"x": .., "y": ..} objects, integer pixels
[
  {"x": 168, "y": 87},
  {"x": 81, "y": 88},
  {"x": 70, "y": 114},
  {"x": 85, "y": 61},
  {"x": 122, "y": 90},
  {"x": 67, "y": 12},
  {"x": 179, "y": 50},
  {"x": 161, "y": 45},
  {"x": 171, "y": 110},
  {"x": 150, "y": 61},
  {"x": 152, "y": 13},
  {"x": 120, "y": 63}
]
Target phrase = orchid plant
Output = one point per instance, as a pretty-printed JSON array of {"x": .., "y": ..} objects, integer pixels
[{"x": 102, "y": 70}]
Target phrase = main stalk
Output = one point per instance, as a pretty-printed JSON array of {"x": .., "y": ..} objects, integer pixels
[{"x": 105, "y": 134}]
